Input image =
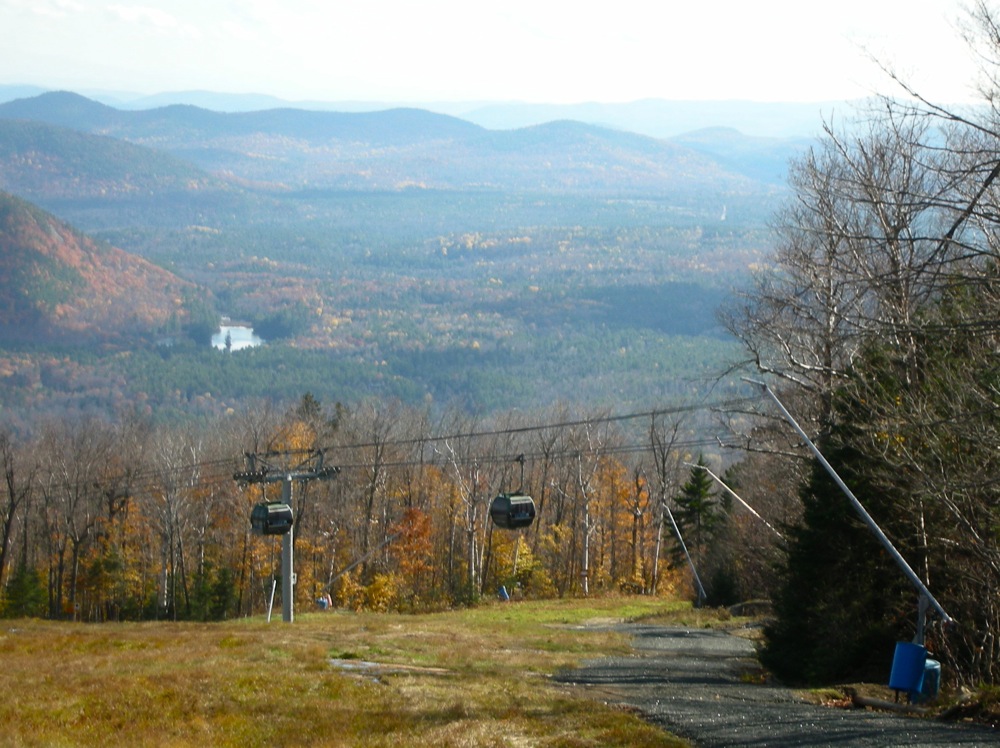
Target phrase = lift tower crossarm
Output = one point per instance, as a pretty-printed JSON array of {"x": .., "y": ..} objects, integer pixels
[{"x": 258, "y": 471}]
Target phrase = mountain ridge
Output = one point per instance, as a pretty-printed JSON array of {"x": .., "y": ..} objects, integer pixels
[
  {"x": 388, "y": 150},
  {"x": 660, "y": 118},
  {"x": 72, "y": 110}
]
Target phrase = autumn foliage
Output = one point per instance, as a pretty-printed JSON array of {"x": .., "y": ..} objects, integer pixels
[
  {"x": 57, "y": 283},
  {"x": 129, "y": 520}
]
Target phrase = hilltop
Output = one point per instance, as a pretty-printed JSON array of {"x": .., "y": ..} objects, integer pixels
[
  {"x": 42, "y": 160},
  {"x": 56, "y": 283}
]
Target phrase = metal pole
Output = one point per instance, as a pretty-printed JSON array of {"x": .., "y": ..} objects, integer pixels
[
  {"x": 862, "y": 512},
  {"x": 287, "y": 569},
  {"x": 735, "y": 496},
  {"x": 677, "y": 531}
]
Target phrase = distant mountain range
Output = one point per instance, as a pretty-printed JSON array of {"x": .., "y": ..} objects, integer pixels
[
  {"x": 668, "y": 119},
  {"x": 657, "y": 118},
  {"x": 399, "y": 148}
]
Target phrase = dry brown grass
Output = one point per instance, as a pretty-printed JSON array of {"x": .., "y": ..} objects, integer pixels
[{"x": 465, "y": 678}]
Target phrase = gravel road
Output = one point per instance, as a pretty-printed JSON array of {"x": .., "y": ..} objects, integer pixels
[{"x": 705, "y": 686}]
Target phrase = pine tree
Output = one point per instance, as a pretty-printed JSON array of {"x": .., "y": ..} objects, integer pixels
[
  {"x": 697, "y": 514},
  {"x": 26, "y": 594}
]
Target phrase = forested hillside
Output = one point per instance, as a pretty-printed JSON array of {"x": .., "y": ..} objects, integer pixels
[
  {"x": 46, "y": 162},
  {"x": 58, "y": 285}
]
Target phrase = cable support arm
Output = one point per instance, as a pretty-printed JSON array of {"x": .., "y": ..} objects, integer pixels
[
  {"x": 736, "y": 496},
  {"x": 915, "y": 580}
]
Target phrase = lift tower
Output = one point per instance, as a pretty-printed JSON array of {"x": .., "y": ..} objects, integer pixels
[{"x": 275, "y": 517}]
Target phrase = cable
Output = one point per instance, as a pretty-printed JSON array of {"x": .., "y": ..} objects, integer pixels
[
  {"x": 556, "y": 454},
  {"x": 213, "y": 472},
  {"x": 549, "y": 426}
]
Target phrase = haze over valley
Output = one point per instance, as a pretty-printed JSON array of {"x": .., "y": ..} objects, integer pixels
[{"x": 401, "y": 253}]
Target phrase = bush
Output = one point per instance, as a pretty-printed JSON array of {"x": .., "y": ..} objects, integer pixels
[
  {"x": 348, "y": 592},
  {"x": 382, "y": 595}
]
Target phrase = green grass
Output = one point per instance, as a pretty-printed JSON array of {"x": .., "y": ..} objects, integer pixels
[{"x": 477, "y": 677}]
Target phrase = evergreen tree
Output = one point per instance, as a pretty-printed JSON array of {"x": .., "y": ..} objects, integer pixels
[
  {"x": 223, "y": 595},
  {"x": 701, "y": 522},
  {"x": 697, "y": 514},
  {"x": 27, "y": 595},
  {"x": 835, "y": 611}
]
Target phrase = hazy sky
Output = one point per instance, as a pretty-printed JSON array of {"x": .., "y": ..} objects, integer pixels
[{"x": 474, "y": 50}]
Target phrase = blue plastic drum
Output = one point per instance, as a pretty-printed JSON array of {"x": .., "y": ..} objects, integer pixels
[{"x": 908, "y": 667}]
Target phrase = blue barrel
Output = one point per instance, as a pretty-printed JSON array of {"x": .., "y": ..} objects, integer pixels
[
  {"x": 932, "y": 680},
  {"x": 908, "y": 667}
]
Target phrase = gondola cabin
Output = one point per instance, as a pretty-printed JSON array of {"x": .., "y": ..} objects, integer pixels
[
  {"x": 271, "y": 518},
  {"x": 512, "y": 511}
]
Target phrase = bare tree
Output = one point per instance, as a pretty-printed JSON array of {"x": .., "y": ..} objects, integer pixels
[
  {"x": 470, "y": 481},
  {"x": 18, "y": 480},
  {"x": 663, "y": 437},
  {"x": 77, "y": 456},
  {"x": 173, "y": 507},
  {"x": 859, "y": 255},
  {"x": 374, "y": 427}
]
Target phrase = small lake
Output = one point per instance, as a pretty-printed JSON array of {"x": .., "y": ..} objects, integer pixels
[{"x": 240, "y": 337}]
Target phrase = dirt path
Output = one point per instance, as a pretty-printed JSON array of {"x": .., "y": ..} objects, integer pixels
[{"x": 705, "y": 686}]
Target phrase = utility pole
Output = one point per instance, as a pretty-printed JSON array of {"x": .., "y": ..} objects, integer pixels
[{"x": 275, "y": 518}]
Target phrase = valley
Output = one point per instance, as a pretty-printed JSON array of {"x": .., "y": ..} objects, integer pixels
[{"x": 404, "y": 255}]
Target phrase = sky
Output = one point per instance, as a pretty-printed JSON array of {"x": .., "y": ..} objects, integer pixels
[{"x": 542, "y": 51}]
